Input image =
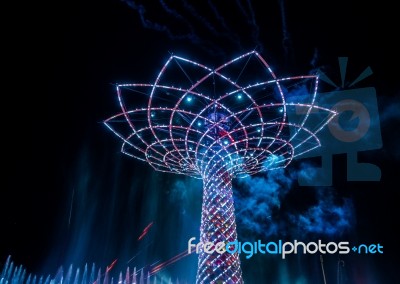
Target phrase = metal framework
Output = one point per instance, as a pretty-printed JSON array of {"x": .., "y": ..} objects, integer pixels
[{"x": 217, "y": 124}]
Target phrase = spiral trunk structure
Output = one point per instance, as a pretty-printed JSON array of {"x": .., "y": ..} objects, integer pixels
[{"x": 218, "y": 225}]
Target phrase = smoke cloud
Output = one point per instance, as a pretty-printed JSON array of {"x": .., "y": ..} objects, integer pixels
[{"x": 272, "y": 205}]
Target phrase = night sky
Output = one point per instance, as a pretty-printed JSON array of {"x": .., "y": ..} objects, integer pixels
[{"x": 71, "y": 197}]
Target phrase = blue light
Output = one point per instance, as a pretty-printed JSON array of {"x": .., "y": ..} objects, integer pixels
[
  {"x": 239, "y": 96},
  {"x": 198, "y": 123},
  {"x": 189, "y": 99},
  {"x": 281, "y": 109},
  {"x": 226, "y": 142}
]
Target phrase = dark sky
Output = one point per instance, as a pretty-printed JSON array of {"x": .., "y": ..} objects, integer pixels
[{"x": 69, "y": 196}]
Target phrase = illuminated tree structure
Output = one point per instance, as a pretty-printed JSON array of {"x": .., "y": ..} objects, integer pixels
[{"x": 217, "y": 124}]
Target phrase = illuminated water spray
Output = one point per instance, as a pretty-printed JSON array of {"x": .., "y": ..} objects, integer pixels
[{"x": 216, "y": 125}]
